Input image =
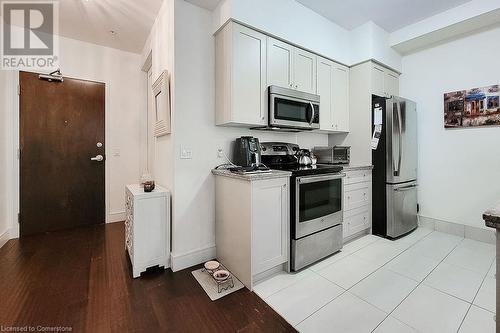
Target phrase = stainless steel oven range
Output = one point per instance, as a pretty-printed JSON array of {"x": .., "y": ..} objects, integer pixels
[{"x": 315, "y": 204}]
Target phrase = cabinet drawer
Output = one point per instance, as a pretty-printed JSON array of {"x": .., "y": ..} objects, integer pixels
[
  {"x": 357, "y": 220},
  {"x": 353, "y": 177},
  {"x": 357, "y": 195}
]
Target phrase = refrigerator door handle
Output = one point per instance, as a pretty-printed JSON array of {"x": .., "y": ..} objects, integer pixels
[
  {"x": 406, "y": 188},
  {"x": 400, "y": 145}
]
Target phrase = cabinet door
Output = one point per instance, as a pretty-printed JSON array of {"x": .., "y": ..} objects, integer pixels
[
  {"x": 279, "y": 63},
  {"x": 357, "y": 220},
  {"x": 248, "y": 100},
  {"x": 340, "y": 99},
  {"x": 357, "y": 195},
  {"x": 304, "y": 71},
  {"x": 325, "y": 89},
  {"x": 378, "y": 81},
  {"x": 269, "y": 224},
  {"x": 391, "y": 83}
]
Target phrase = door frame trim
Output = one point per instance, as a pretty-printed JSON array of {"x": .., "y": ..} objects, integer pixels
[{"x": 14, "y": 169}]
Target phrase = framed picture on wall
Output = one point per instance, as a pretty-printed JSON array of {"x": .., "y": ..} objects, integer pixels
[
  {"x": 161, "y": 104},
  {"x": 473, "y": 107}
]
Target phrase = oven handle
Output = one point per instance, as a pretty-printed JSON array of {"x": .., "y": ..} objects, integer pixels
[{"x": 315, "y": 179}]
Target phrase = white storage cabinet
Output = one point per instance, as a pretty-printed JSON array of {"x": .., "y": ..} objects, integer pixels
[
  {"x": 147, "y": 228},
  {"x": 333, "y": 89},
  {"x": 357, "y": 203},
  {"x": 252, "y": 225}
]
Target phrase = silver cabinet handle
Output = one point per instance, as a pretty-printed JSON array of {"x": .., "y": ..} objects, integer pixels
[{"x": 98, "y": 158}]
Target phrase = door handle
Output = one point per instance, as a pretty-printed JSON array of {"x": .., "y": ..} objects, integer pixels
[
  {"x": 98, "y": 158},
  {"x": 406, "y": 188},
  {"x": 313, "y": 113},
  {"x": 400, "y": 138}
]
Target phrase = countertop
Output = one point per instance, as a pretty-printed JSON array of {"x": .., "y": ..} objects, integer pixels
[
  {"x": 492, "y": 217},
  {"x": 250, "y": 177},
  {"x": 356, "y": 167}
]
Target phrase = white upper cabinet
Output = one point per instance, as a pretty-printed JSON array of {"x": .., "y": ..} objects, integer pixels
[
  {"x": 340, "y": 100},
  {"x": 391, "y": 83},
  {"x": 241, "y": 98},
  {"x": 290, "y": 67},
  {"x": 325, "y": 87},
  {"x": 304, "y": 71},
  {"x": 385, "y": 82},
  {"x": 333, "y": 89},
  {"x": 279, "y": 63}
]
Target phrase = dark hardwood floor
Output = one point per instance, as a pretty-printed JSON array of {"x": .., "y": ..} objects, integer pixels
[{"x": 81, "y": 279}]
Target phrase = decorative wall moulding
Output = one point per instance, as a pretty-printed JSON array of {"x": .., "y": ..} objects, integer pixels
[{"x": 162, "y": 109}]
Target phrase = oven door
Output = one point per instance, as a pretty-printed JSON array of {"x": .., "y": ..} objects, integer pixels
[
  {"x": 285, "y": 111},
  {"x": 318, "y": 203}
]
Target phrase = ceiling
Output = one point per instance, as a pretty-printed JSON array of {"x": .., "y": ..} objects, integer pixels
[
  {"x": 92, "y": 20},
  {"x": 391, "y": 15}
]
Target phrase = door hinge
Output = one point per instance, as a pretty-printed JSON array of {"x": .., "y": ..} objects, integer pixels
[
  {"x": 19, "y": 218},
  {"x": 19, "y": 89},
  {"x": 18, "y": 153}
]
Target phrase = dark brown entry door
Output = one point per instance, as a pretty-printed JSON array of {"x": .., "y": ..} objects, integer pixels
[{"x": 61, "y": 126}]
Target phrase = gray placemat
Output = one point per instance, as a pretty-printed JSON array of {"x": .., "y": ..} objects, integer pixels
[{"x": 210, "y": 286}]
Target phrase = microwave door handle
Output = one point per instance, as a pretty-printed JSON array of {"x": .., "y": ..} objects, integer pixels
[{"x": 312, "y": 113}]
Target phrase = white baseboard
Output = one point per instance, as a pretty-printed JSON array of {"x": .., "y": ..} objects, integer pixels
[
  {"x": 462, "y": 230},
  {"x": 116, "y": 217},
  {"x": 4, "y": 237},
  {"x": 192, "y": 258}
]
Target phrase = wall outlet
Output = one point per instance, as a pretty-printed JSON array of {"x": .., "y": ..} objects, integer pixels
[
  {"x": 186, "y": 154},
  {"x": 220, "y": 152}
]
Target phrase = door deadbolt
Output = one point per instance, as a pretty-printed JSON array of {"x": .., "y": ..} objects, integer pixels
[{"x": 99, "y": 144}]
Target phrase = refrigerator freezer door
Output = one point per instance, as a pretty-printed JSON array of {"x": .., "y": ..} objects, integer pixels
[
  {"x": 401, "y": 208},
  {"x": 401, "y": 143}
]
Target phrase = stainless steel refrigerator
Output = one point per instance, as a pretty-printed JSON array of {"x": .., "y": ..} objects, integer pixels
[{"x": 394, "y": 177}]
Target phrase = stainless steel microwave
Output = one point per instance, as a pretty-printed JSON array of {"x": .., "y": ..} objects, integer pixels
[{"x": 289, "y": 108}]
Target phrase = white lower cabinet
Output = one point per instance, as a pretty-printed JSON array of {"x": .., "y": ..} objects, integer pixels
[
  {"x": 147, "y": 228},
  {"x": 357, "y": 202},
  {"x": 252, "y": 219},
  {"x": 269, "y": 224}
]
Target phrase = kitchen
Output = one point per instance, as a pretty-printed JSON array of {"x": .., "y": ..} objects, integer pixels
[{"x": 261, "y": 189}]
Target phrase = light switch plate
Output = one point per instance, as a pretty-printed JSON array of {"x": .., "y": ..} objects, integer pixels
[{"x": 186, "y": 154}]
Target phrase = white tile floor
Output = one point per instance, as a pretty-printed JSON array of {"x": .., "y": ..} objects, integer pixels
[{"x": 427, "y": 281}]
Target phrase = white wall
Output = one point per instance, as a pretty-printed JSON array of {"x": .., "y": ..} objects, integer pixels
[
  {"x": 4, "y": 225},
  {"x": 291, "y": 21},
  {"x": 194, "y": 206},
  {"x": 369, "y": 41},
  {"x": 125, "y": 104},
  {"x": 458, "y": 169},
  {"x": 160, "y": 44}
]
